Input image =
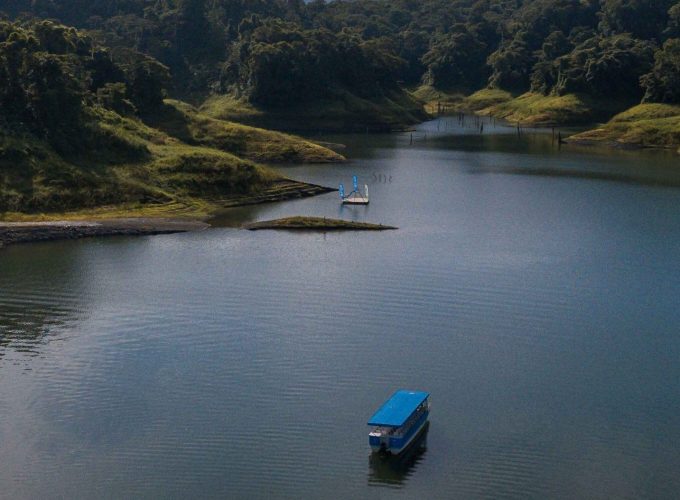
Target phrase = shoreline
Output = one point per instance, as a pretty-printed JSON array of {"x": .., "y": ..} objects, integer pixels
[
  {"x": 611, "y": 124},
  {"x": 12, "y": 233},
  {"x": 18, "y": 232},
  {"x": 574, "y": 134},
  {"x": 307, "y": 223},
  {"x": 279, "y": 190}
]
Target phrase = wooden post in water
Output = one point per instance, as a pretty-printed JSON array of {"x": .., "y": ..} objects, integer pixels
[{"x": 411, "y": 138}]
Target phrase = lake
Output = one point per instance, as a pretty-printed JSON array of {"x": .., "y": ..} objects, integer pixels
[{"x": 533, "y": 291}]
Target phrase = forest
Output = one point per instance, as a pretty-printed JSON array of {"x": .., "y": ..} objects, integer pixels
[{"x": 276, "y": 52}]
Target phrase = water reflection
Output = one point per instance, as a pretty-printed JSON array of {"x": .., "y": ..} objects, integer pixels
[
  {"x": 24, "y": 329},
  {"x": 583, "y": 174},
  {"x": 237, "y": 216},
  {"x": 394, "y": 470},
  {"x": 38, "y": 296}
]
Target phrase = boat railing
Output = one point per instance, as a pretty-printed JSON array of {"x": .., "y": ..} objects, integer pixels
[{"x": 385, "y": 431}]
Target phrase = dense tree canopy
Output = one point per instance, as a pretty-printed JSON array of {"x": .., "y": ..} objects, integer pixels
[
  {"x": 50, "y": 75},
  {"x": 274, "y": 63},
  {"x": 662, "y": 84},
  {"x": 283, "y": 51}
]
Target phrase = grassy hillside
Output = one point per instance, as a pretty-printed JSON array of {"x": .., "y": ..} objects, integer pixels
[
  {"x": 346, "y": 113},
  {"x": 435, "y": 100},
  {"x": 130, "y": 168},
  {"x": 454, "y": 102},
  {"x": 646, "y": 125},
  {"x": 486, "y": 98},
  {"x": 186, "y": 123},
  {"x": 531, "y": 109},
  {"x": 539, "y": 110}
]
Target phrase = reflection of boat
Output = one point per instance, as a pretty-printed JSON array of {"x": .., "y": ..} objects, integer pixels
[
  {"x": 395, "y": 469},
  {"x": 399, "y": 421},
  {"x": 355, "y": 197}
]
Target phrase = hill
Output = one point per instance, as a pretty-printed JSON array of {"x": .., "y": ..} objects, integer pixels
[
  {"x": 291, "y": 64},
  {"x": 646, "y": 125},
  {"x": 82, "y": 133}
]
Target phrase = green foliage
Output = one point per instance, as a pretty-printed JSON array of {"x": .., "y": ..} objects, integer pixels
[
  {"x": 340, "y": 57},
  {"x": 42, "y": 91},
  {"x": 186, "y": 123},
  {"x": 275, "y": 63},
  {"x": 641, "y": 18},
  {"x": 346, "y": 112},
  {"x": 147, "y": 83},
  {"x": 71, "y": 135},
  {"x": 51, "y": 76},
  {"x": 646, "y": 125},
  {"x": 662, "y": 84},
  {"x": 535, "y": 109},
  {"x": 600, "y": 66},
  {"x": 113, "y": 96},
  {"x": 457, "y": 59},
  {"x": 279, "y": 53},
  {"x": 201, "y": 174},
  {"x": 673, "y": 30},
  {"x": 512, "y": 64},
  {"x": 485, "y": 98}
]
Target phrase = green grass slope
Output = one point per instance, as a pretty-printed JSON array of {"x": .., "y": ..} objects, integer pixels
[
  {"x": 533, "y": 109},
  {"x": 645, "y": 125},
  {"x": 486, "y": 98},
  {"x": 346, "y": 113},
  {"x": 529, "y": 109},
  {"x": 454, "y": 102},
  {"x": 186, "y": 123},
  {"x": 128, "y": 168}
]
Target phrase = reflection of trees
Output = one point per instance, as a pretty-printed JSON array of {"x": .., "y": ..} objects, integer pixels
[
  {"x": 38, "y": 295},
  {"x": 393, "y": 470}
]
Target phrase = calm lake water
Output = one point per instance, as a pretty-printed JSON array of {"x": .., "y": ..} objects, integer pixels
[{"x": 534, "y": 292}]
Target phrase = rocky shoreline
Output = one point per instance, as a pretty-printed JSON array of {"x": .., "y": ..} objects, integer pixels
[
  {"x": 279, "y": 190},
  {"x": 25, "y": 232}
]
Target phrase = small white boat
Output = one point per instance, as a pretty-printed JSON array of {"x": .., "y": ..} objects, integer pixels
[
  {"x": 399, "y": 421},
  {"x": 355, "y": 197}
]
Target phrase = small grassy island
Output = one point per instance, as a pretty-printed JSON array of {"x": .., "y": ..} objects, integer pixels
[{"x": 300, "y": 223}]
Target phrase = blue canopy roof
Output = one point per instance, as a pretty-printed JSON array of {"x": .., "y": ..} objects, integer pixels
[{"x": 396, "y": 410}]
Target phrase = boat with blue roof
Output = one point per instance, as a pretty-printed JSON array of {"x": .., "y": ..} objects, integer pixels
[{"x": 399, "y": 421}]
